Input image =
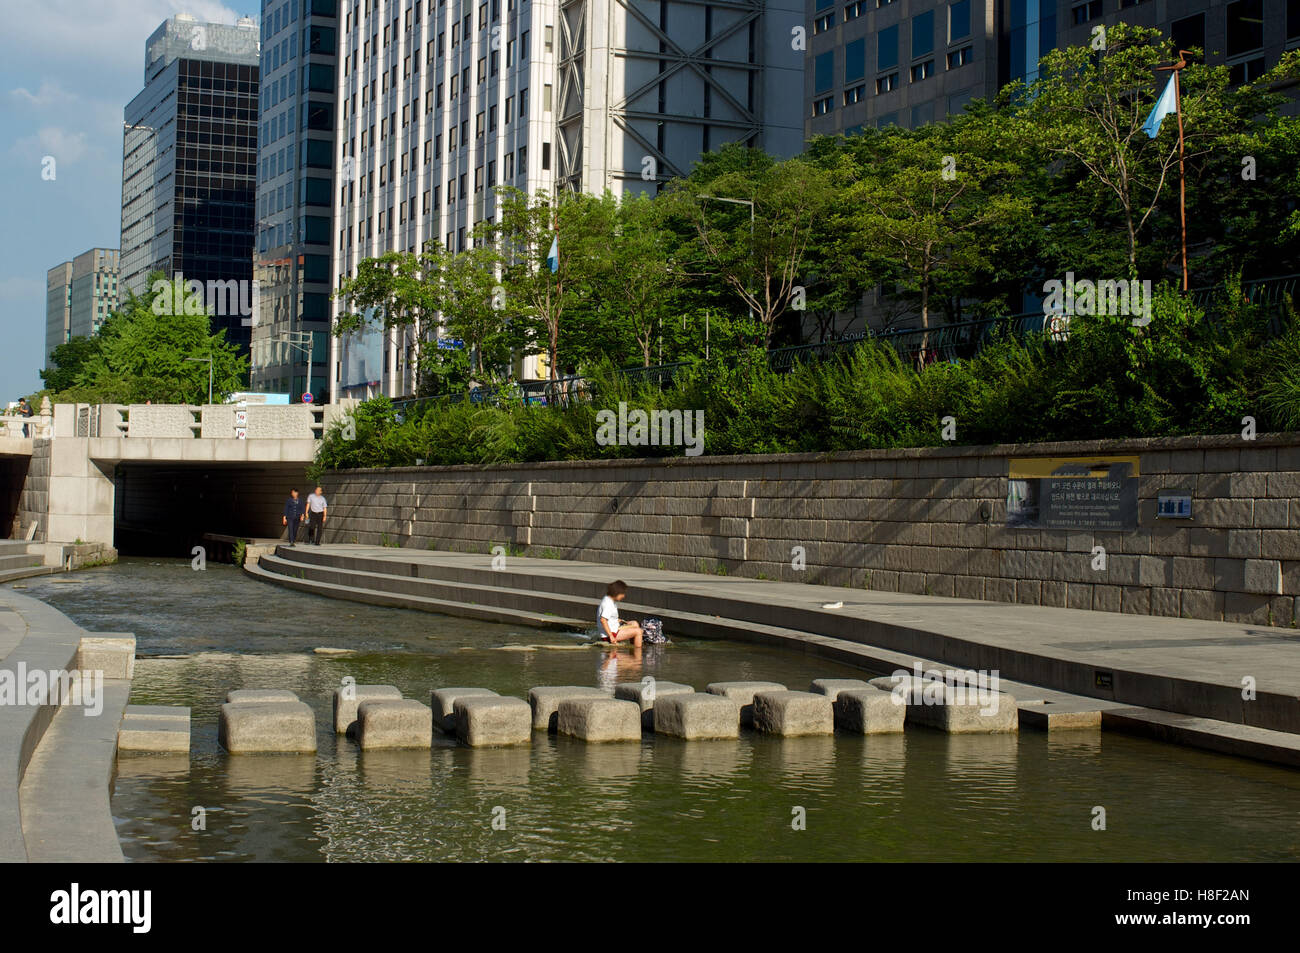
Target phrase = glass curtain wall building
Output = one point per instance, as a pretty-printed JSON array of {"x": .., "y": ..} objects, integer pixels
[
  {"x": 295, "y": 168},
  {"x": 189, "y": 156}
]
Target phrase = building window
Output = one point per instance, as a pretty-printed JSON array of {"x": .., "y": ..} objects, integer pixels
[
  {"x": 824, "y": 22},
  {"x": 546, "y": 156},
  {"x": 960, "y": 57},
  {"x": 546, "y": 98},
  {"x": 887, "y": 48},
  {"x": 823, "y": 106},
  {"x": 886, "y": 83},
  {"x": 959, "y": 20},
  {"x": 922, "y": 71},
  {"x": 1293, "y": 19},
  {"x": 1246, "y": 72},
  {"x": 853, "y": 10},
  {"x": 923, "y": 34},
  {"x": 855, "y": 60},
  {"x": 1189, "y": 32},
  {"x": 855, "y": 94},
  {"x": 824, "y": 71},
  {"x": 1245, "y": 26},
  {"x": 884, "y": 3},
  {"x": 1086, "y": 12}
]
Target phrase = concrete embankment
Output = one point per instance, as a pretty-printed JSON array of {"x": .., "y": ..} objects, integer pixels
[
  {"x": 62, "y": 694},
  {"x": 1068, "y": 663}
]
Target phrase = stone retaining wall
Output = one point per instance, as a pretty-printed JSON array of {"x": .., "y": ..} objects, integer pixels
[{"x": 924, "y": 521}]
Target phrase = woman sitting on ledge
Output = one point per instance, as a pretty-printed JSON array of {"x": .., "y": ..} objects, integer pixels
[{"x": 611, "y": 628}]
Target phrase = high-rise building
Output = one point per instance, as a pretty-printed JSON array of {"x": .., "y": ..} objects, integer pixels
[
  {"x": 874, "y": 63},
  {"x": 295, "y": 195},
  {"x": 79, "y": 295},
  {"x": 897, "y": 62},
  {"x": 189, "y": 159},
  {"x": 58, "y": 307},
  {"x": 441, "y": 101}
]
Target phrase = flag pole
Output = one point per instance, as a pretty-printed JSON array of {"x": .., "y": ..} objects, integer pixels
[{"x": 1182, "y": 176}]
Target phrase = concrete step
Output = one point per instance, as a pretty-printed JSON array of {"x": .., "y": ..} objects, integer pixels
[
  {"x": 19, "y": 561},
  {"x": 285, "y": 576},
  {"x": 12, "y": 575},
  {"x": 524, "y": 600}
]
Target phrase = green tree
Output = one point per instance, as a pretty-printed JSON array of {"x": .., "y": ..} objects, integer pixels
[
  {"x": 155, "y": 348},
  {"x": 1088, "y": 107},
  {"x": 759, "y": 251}
]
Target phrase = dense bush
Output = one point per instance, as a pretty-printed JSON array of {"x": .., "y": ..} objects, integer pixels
[{"x": 1182, "y": 374}]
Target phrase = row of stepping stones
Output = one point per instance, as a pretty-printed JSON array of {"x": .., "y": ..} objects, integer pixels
[{"x": 377, "y": 716}]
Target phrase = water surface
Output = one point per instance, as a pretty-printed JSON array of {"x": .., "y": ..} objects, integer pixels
[{"x": 922, "y": 795}]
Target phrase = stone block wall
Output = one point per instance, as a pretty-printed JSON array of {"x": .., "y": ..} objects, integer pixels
[{"x": 923, "y": 521}]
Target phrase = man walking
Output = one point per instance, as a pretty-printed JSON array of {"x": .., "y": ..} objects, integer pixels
[
  {"x": 295, "y": 511},
  {"x": 316, "y": 516}
]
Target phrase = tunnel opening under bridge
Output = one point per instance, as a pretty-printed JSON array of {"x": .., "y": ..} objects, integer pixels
[{"x": 165, "y": 509}]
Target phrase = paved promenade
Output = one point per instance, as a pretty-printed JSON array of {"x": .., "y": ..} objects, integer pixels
[{"x": 1189, "y": 668}]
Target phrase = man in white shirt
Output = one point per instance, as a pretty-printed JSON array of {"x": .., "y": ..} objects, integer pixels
[
  {"x": 316, "y": 516},
  {"x": 612, "y": 629}
]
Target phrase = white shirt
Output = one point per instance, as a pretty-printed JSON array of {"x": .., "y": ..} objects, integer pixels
[
  {"x": 608, "y": 611},
  {"x": 316, "y": 503}
]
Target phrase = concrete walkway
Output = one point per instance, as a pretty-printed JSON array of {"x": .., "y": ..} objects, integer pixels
[
  {"x": 56, "y": 761},
  {"x": 1185, "y": 667}
]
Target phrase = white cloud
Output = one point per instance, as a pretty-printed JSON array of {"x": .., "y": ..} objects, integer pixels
[
  {"x": 49, "y": 94},
  {"x": 106, "y": 34},
  {"x": 66, "y": 146}
]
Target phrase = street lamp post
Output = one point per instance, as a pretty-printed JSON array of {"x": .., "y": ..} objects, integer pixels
[
  {"x": 200, "y": 360},
  {"x": 300, "y": 341},
  {"x": 750, "y": 203}
]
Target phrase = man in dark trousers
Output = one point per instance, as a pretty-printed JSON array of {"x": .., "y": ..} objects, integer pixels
[
  {"x": 295, "y": 511},
  {"x": 316, "y": 516}
]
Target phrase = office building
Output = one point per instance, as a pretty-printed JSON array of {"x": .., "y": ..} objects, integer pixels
[
  {"x": 441, "y": 101},
  {"x": 189, "y": 158},
  {"x": 79, "y": 295},
  {"x": 875, "y": 63},
  {"x": 295, "y": 168}
]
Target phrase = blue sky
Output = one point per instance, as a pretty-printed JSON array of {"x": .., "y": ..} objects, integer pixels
[{"x": 67, "y": 70}]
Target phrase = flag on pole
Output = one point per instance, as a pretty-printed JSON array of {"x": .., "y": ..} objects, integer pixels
[
  {"x": 1166, "y": 104},
  {"x": 553, "y": 256}
]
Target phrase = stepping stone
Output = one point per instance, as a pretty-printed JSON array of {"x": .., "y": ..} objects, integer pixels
[
  {"x": 742, "y": 693},
  {"x": 792, "y": 714},
  {"x": 484, "y": 721},
  {"x": 697, "y": 716},
  {"x": 600, "y": 719},
  {"x": 253, "y": 727},
  {"x": 869, "y": 711},
  {"x": 443, "y": 703},
  {"x": 962, "y": 711},
  {"x": 154, "y": 728},
  {"x": 348, "y": 697},
  {"x": 394, "y": 723},
  {"x": 907, "y": 687},
  {"x": 1061, "y": 717},
  {"x": 831, "y": 687},
  {"x": 545, "y": 701},
  {"x": 244, "y": 696},
  {"x": 644, "y": 694},
  {"x": 114, "y": 655}
]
